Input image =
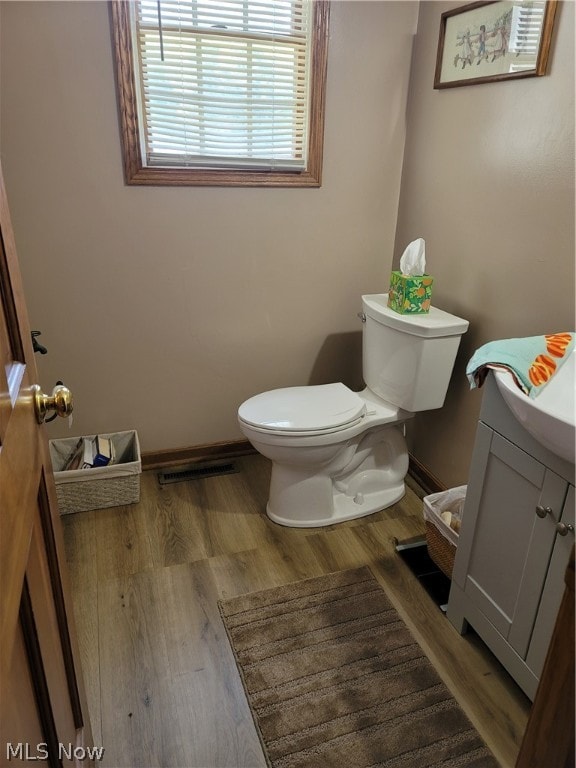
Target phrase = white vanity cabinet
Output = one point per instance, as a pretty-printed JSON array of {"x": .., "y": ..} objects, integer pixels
[{"x": 515, "y": 542}]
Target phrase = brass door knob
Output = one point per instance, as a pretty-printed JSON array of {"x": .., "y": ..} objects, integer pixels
[
  {"x": 60, "y": 401},
  {"x": 543, "y": 511}
]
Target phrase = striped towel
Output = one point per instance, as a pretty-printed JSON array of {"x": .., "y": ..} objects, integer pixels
[{"x": 531, "y": 361}]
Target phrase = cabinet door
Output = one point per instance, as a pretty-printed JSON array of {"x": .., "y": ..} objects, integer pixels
[
  {"x": 553, "y": 590},
  {"x": 510, "y": 547}
]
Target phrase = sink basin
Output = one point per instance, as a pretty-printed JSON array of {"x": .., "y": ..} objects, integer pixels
[{"x": 550, "y": 417}]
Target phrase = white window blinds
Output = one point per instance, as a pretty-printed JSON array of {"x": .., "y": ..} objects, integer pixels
[{"x": 223, "y": 83}]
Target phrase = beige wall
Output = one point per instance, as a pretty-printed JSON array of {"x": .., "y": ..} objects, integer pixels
[
  {"x": 488, "y": 181},
  {"x": 163, "y": 309}
]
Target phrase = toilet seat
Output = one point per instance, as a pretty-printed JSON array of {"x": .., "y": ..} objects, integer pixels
[{"x": 311, "y": 410}]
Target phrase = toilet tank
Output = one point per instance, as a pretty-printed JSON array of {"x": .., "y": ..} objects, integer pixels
[{"x": 407, "y": 360}]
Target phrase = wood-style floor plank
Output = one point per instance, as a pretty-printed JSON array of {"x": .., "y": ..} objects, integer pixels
[
  {"x": 174, "y": 521},
  {"x": 162, "y": 684},
  {"x": 212, "y": 707},
  {"x": 138, "y": 726},
  {"x": 81, "y": 554},
  {"x": 122, "y": 542}
]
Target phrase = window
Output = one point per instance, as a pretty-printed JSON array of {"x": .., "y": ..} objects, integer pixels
[{"x": 221, "y": 92}]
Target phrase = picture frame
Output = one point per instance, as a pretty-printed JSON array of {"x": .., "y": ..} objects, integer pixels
[{"x": 494, "y": 40}]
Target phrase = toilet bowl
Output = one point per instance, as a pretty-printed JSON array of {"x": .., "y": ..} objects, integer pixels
[{"x": 337, "y": 454}]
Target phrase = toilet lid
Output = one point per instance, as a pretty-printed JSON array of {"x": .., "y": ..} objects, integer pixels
[{"x": 303, "y": 409}]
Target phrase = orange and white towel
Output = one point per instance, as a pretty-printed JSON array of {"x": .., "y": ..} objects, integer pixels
[{"x": 532, "y": 361}]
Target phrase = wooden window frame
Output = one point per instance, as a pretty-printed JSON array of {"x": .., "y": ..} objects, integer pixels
[{"x": 137, "y": 173}]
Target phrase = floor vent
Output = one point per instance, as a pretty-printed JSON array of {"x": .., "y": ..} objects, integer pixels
[{"x": 197, "y": 472}]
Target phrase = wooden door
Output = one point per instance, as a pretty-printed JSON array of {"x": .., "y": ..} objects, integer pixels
[{"x": 43, "y": 715}]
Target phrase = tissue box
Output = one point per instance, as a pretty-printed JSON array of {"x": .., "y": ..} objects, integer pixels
[{"x": 410, "y": 294}]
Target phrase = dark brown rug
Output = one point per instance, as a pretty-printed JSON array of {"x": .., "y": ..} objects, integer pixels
[{"x": 335, "y": 679}]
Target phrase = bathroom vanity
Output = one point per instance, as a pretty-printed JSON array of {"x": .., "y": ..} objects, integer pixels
[{"x": 515, "y": 541}]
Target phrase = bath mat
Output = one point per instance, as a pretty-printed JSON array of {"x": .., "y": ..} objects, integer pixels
[{"x": 334, "y": 678}]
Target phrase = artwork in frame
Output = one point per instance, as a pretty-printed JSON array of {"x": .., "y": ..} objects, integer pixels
[{"x": 489, "y": 41}]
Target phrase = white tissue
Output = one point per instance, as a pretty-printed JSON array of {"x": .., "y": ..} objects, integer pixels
[{"x": 413, "y": 260}]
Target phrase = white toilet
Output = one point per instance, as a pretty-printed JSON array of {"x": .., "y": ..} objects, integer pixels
[{"x": 337, "y": 454}]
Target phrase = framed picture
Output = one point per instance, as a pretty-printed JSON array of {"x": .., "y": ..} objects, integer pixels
[{"x": 487, "y": 41}]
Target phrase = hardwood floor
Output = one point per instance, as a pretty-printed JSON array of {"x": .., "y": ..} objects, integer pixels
[{"x": 163, "y": 689}]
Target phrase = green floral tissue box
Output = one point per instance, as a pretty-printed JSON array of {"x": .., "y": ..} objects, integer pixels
[{"x": 410, "y": 294}]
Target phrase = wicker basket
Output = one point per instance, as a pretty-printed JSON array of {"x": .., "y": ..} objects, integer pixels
[
  {"x": 441, "y": 539},
  {"x": 440, "y": 549},
  {"x": 80, "y": 490}
]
